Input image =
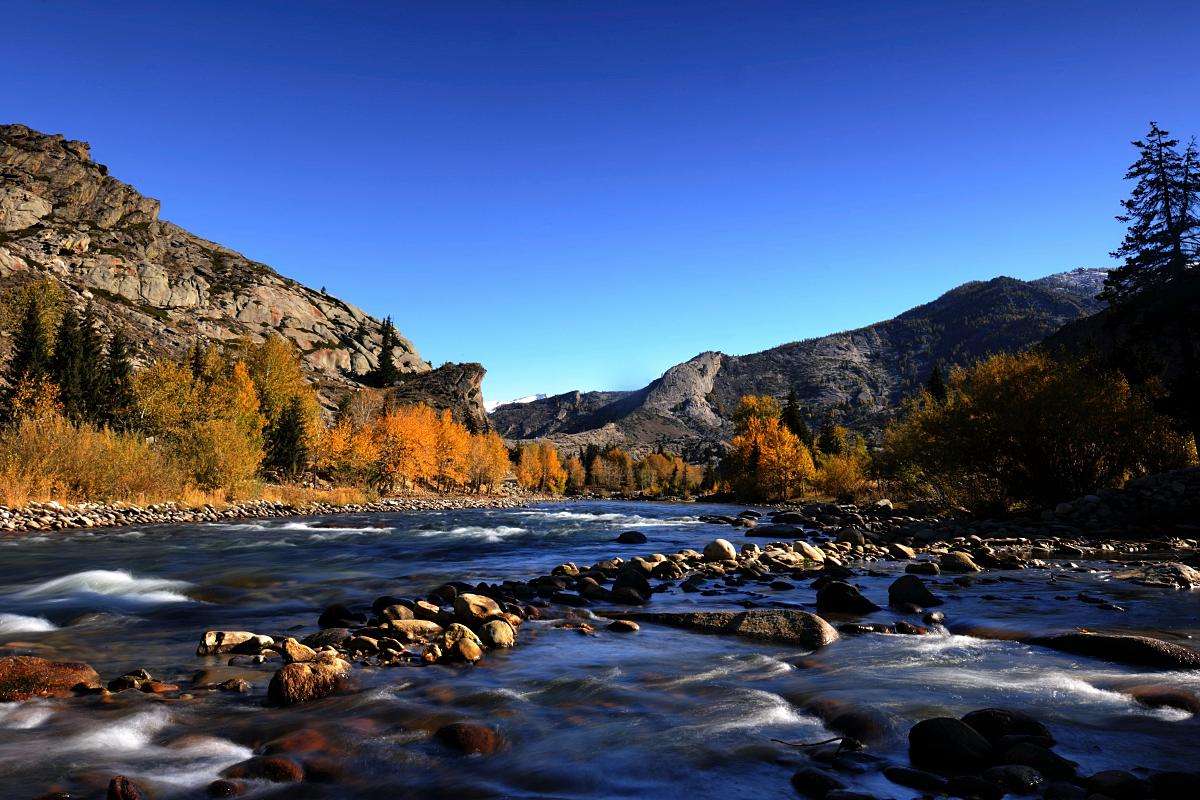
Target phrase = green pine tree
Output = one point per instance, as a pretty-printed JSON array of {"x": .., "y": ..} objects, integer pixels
[
  {"x": 793, "y": 419},
  {"x": 386, "y": 373},
  {"x": 66, "y": 367},
  {"x": 287, "y": 450},
  {"x": 117, "y": 382},
  {"x": 1163, "y": 216},
  {"x": 30, "y": 358},
  {"x": 937, "y": 384},
  {"x": 92, "y": 365}
]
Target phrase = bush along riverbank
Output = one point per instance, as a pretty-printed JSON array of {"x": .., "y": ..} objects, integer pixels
[{"x": 55, "y": 516}]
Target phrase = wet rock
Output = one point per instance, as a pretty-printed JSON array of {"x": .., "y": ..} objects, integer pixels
[
  {"x": 719, "y": 550},
  {"x": 624, "y": 626},
  {"x": 215, "y": 642},
  {"x": 273, "y": 769},
  {"x": 915, "y": 779},
  {"x": 469, "y": 738},
  {"x": 225, "y": 788},
  {"x": 847, "y": 794},
  {"x": 23, "y": 677},
  {"x": 958, "y": 562},
  {"x": 1119, "y": 785},
  {"x": 413, "y": 630},
  {"x": 911, "y": 589},
  {"x": 901, "y": 552},
  {"x": 498, "y": 633},
  {"x": 121, "y": 788},
  {"x": 814, "y": 783},
  {"x": 458, "y": 642},
  {"x": 1165, "y": 696},
  {"x": 786, "y": 626},
  {"x": 1174, "y": 785},
  {"x": 1045, "y": 761},
  {"x": 1170, "y": 575},
  {"x": 1140, "y": 651},
  {"x": 328, "y": 637},
  {"x": 997, "y": 724},
  {"x": 304, "y": 682},
  {"x": 396, "y": 611},
  {"x": 1015, "y": 778},
  {"x": 294, "y": 652},
  {"x": 631, "y": 537},
  {"x": 808, "y": 551},
  {"x": 1063, "y": 790},
  {"x": 777, "y": 531},
  {"x": 923, "y": 568},
  {"x": 945, "y": 743},
  {"x": 130, "y": 680},
  {"x": 842, "y": 598},
  {"x": 863, "y": 724},
  {"x": 472, "y": 609},
  {"x": 338, "y": 616}
]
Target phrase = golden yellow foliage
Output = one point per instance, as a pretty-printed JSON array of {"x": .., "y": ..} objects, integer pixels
[
  {"x": 663, "y": 474},
  {"x": 539, "y": 468},
  {"x": 751, "y": 407},
  {"x": 766, "y": 460},
  {"x": 51, "y": 300},
  {"x": 487, "y": 461},
  {"x": 843, "y": 476},
  {"x": 1027, "y": 428},
  {"x": 613, "y": 470},
  {"x": 406, "y": 441},
  {"x": 576, "y": 474}
]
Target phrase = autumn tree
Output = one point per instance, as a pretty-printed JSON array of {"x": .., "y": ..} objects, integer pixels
[
  {"x": 1162, "y": 213},
  {"x": 612, "y": 470},
  {"x": 766, "y": 461},
  {"x": 406, "y": 440},
  {"x": 487, "y": 461},
  {"x": 452, "y": 450},
  {"x": 576, "y": 475},
  {"x": 539, "y": 468}
]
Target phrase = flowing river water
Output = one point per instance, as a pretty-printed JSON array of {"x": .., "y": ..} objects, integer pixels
[{"x": 661, "y": 713}]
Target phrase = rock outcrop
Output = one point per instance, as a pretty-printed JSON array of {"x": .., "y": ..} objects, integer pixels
[
  {"x": 63, "y": 216},
  {"x": 857, "y": 377},
  {"x": 453, "y": 387}
]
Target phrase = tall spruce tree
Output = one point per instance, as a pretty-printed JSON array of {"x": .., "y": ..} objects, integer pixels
[
  {"x": 92, "y": 361},
  {"x": 386, "y": 373},
  {"x": 30, "y": 358},
  {"x": 937, "y": 383},
  {"x": 793, "y": 419},
  {"x": 287, "y": 450},
  {"x": 1163, "y": 216},
  {"x": 67, "y": 368},
  {"x": 117, "y": 382}
]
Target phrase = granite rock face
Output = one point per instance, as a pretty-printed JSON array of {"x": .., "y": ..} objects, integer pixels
[{"x": 62, "y": 215}]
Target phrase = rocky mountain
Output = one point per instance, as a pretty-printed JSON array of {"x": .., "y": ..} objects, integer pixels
[
  {"x": 855, "y": 377},
  {"x": 63, "y": 216}
]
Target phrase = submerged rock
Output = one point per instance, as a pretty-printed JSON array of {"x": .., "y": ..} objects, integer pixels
[
  {"x": 469, "y": 738},
  {"x": 23, "y": 677},
  {"x": 273, "y": 769},
  {"x": 1171, "y": 575},
  {"x": 948, "y": 745},
  {"x": 1141, "y": 651},
  {"x": 784, "y": 626},
  {"x": 814, "y": 783}
]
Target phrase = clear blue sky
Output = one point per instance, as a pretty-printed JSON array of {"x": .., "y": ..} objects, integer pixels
[{"x": 580, "y": 194}]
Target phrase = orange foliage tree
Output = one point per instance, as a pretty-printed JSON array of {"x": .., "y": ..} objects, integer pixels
[
  {"x": 766, "y": 460},
  {"x": 539, "y": 468}
]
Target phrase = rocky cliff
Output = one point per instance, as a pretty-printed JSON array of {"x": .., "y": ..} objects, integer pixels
[
  {"x": 856, "y": 377},
  {"x": 62, "y": 215}
]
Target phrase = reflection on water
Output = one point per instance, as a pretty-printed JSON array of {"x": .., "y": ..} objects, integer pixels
[{"x": 662, "y": 713}]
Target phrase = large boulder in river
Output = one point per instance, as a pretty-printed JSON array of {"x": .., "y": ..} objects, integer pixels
[
  {"x": 472, "y": 609},
  {"x": 1171, "y": 575},
  {"x": 783, "y": 626},
  {"x": 23, "y": 677},
  {"x": 1140, "y": 651},
  {"x": 215, "y": 642},
  {"x": 999, "y": 725},
  {"x": 946, "y": 744},
  {"x": 303, "y": 682},
  {"x": 720, "y": 550},
  {"x": 911, "y": 589},
  {"x": 958, "y": 562},
  {"x": 839, "y": 597},
  {"x": 777, "y": 531}
]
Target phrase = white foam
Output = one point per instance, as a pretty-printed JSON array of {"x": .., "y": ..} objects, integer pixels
[
  {"x": 756, "y": 666},
  {"x": 17, "y": 623},
  {"x": 752, "y": 709},
  {"x": 24, "y": 716},
  {"x": 480, "y": 533},
  {"x": 131, "y": 733},
  {"x": 629, "y": 520},
  {"x": 327, "y": 529},
  {"x": 117, "y": 584}
]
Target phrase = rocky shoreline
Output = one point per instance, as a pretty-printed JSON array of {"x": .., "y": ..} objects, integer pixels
[{"x": 53, "y": 516}]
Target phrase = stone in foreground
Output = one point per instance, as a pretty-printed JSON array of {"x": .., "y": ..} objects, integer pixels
[
  {"x": 781, "y": 626},
  {"x": 23, "y": 677},
  {"x": 1141, "y": 651},
  {"x": 302, "y": 682}
]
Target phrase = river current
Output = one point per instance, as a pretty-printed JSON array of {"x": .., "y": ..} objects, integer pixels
[{"x": 661, "y": 713}]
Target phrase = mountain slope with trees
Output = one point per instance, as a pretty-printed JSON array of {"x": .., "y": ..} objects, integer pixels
[{"x": 854, "y": 378}]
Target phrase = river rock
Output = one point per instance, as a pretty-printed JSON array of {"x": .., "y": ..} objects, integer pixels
[
  {"x": 225, "y": 788},
  {"x": 777, "y": 531},
  {"x": 720, "y": 550},
  {"x": 23, "y": 677},
  {"x": 1119, "y": 785},
  {"x": 947, "y": 744},
  {"x": 923, "y": 568},
  {"x": 304, "y": 682},
  {"x": 901, "y": 552},
  {"x": 215, "y": 642},
  {"x": 785, "y": 626},
  {"x": 458, "y": 642},
  {"x": 413, "y": 630},
  {"x": 958, "y": 562},
  {"x": 915, "y": 779},
  {"x": 121, "y": 788},
  {"x": 814, "y": 783},
  {"x": 469, "y": 738},
  {"x": 841, "y": 598},
  {"x": 396, "y": 611},
  {"x": 471, "y": 609},
  {"x": 911, "y": 589},
  {"x": 273, "y": 769},
  {"x": 1170, "y": 575},
  {"x": 338, "y": 616},
  {"x": 808, "y": 551},
  {"x": 624, "y": 626},
  {"x": 1044, "y": 760},
  {"x": 995, "y": 724},
  {"x": 293, "y": 651},
  {"x": 1141, "y": 651},
  {"x": 631, "y": 537},
  {"x": 1015, "y": 778},
  {"x": 498, "y": 633},
  {"x": 1158, "y": 695}
]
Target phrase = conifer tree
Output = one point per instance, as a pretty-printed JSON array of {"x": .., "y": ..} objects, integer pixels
[
  {"x": 793, "y": 419},
  {"x": 30, "y": 359},
  {"x": 1163, "y": 216},
  {"x": 287, "y": 448},
  {"x": 937, "y": 383},
  {"x": 67, "y": 368},
  {"x": 386, "y": 372},
  {"x": 117, "y": 384}
]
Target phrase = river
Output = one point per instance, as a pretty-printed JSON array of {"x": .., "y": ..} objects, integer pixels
[{"x": 661, "y": 713}]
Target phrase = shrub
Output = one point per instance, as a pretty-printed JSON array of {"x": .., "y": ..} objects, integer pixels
[{"x": 1025, "y": 429}]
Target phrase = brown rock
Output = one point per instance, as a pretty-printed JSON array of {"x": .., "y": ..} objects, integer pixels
[
  {"x": 275, "y": 769},
  {"x": 475, "y": 608},
  {"x": 303, "y": 682},
  {"x": 786, "y": 626},
  {"x": 469, "y": 738},
  {"x": 23, "y": 677},
  {"x": 121, "y": 788}
]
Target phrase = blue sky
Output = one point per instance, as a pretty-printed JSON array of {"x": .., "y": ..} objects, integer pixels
[{"x": 580, "y": 194}]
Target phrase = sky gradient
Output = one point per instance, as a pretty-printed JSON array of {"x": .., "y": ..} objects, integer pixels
[{"x": 581, "y": 194}]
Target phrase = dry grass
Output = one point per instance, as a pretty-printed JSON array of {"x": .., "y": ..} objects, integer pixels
[
  {"x": 303, "y": 495},
  {"x": 47, "y": 458}
]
